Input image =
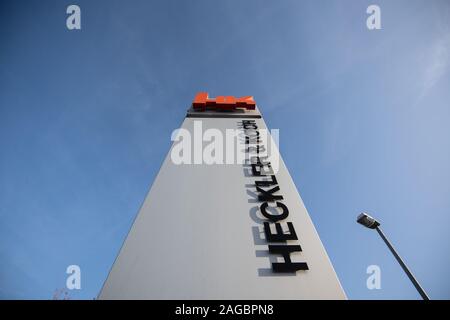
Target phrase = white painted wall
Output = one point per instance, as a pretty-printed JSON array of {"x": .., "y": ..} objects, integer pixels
[{"x": 197, "y": 236}]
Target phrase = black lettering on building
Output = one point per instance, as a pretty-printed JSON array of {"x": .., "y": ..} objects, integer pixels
[{"x": 267, "y": 186}]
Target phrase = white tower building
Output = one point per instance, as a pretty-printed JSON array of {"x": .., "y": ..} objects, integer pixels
[{"x": 226, "y": 229}]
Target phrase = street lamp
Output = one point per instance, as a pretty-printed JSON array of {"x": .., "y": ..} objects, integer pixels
[{"x": 372, "y": 223}]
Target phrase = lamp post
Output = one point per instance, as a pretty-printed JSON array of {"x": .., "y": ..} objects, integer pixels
[{"x": 369, "y": 222}]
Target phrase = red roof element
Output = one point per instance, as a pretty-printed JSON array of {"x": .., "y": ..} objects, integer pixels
[{"x": 202, "y": 102}]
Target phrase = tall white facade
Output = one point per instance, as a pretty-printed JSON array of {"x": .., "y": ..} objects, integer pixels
[{"x": 200, "y": 233}]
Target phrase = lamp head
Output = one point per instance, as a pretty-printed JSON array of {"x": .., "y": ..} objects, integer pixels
[{"x": 367, "y": 221}]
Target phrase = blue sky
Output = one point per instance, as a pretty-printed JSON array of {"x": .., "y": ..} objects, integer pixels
[{"x": 86, "y": 118}]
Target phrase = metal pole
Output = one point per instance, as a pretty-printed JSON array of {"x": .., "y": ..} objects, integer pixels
[{"x": 403, "y": 265}]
